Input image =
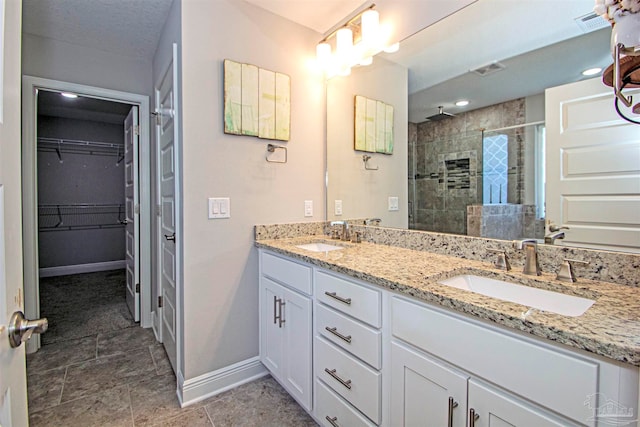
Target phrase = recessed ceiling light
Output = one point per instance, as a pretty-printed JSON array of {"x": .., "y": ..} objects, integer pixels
[
  {"x": 591, "y": 71},
  {"x": 462, "y": 103},
  {"x": 69, "y": 95}
]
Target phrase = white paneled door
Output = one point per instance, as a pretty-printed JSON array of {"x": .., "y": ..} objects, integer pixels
[
  {"x": 593, "y": 167},
  {"x": 13, "y": 384},
  {"x": 169, "y": 240},
  {"x": 132, "y": 211}
]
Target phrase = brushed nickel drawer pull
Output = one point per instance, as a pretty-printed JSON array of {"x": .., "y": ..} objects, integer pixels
[
  {"x": 281, "y": 318},
  {"x": 335, "y": 376},
  {"x": 335, "y": 332},
  {"x": 275, "y": 308},
  {"x": 473, "y": 417},
  {"x": 337, "y": 297},
  {"x": 332, "y": 421},
  {"x": 452, "y": 404}
]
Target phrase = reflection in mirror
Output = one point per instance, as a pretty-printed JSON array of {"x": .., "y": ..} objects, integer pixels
[{"x": 480, "y": 169}]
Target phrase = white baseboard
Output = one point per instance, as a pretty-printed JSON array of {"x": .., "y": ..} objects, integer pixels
[
  {"x": 212, "y": 383},
  {"x": 64, "y": 270}
]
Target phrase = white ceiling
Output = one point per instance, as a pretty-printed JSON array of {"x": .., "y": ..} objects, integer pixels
[
  {"x": 319, "y": 15},
  {"x": 126, "y": 27}
]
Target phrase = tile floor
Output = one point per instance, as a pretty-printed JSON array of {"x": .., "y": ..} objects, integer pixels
[{"x": 116, "y": 374}]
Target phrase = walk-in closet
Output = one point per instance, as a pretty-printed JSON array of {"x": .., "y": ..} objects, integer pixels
[{"x": 81, "y": 215}]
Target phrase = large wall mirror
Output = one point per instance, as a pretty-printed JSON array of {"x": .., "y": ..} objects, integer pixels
[{"x": 476, "y": 169}]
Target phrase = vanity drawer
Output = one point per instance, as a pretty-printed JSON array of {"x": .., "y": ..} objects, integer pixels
[
  {"x": 329, "y": 406},
  {"x": 292, "y": 274},
  {"x": 350, "y": 378},
  {"x": 552, "y": 378},
  {"x": 353, "y": 336},
  {"x": 348, "y": 297}
]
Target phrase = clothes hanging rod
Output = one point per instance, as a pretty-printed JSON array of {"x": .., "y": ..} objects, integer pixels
[{"x": 79, "y": 143}]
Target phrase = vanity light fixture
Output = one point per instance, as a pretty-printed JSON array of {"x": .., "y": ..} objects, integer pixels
[
  {"x": 462, "y": 103},
  {"x": 69, "y": 95},
  {"x": 592, "y": 71},
  {"x": 356, "y": 43}
]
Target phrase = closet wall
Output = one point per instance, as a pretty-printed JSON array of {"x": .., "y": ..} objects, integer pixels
[{"x": 80, "y": 195}]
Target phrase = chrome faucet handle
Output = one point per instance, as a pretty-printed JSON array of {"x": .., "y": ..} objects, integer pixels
[
  {"x": 531, "y": 263},
  {"x": 502, "y": 261},
  {"x": 553, "y": 228},
  {"x": 566, "y": 273}
]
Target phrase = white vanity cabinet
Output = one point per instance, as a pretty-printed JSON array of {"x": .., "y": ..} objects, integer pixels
[
  {"x": 442, "y": 355},
  {"x": 347, "y": 352},
  {"x": 286, "y": 324}
]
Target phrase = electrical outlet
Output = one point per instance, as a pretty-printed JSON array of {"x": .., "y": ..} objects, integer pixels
[
  {"x": 337, "y": 209},
  {"x": 308, "y": 208},
  {"x": 393, "y": 204},
  {"x": 219, "y": 207}
]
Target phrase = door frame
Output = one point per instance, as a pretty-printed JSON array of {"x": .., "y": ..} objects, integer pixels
[{"x": 30, "y": 86}]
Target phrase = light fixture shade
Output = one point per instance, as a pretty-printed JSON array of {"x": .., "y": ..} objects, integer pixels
[
  {"x": 323, "y": 54},
  {"x": 370, "y": 26},
  {"x": 344, "y": 42},
  {"x": 392, "y": 48},
  {"x": 344, "y": 50}
]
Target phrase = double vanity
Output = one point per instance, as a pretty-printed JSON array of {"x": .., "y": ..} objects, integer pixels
[{"x": 366, "y": 334}]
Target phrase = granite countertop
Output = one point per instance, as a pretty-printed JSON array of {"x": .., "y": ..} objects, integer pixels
[{"x": 610, "y": 328}]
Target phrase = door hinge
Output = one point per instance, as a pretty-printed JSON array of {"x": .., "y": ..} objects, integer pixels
[
  {"x": 137, "y": 288},
  {"x": 160, "y": 302},
  {"x": 158, "y": 210},
  {"x": 136, "y": 130}
]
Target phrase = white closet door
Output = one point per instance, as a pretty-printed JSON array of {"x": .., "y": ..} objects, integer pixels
[{"x": 132, "y": 210}]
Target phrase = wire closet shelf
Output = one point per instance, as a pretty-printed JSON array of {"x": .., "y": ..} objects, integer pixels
[
  {"x": 76, "y": 146},
  {"x": 80, "y": 216}
]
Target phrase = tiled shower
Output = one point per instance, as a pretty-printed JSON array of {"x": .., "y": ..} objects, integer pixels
[{"x": 452, "y": 174}]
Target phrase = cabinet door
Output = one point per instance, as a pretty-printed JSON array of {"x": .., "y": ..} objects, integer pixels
[
  {"x": 272, "y": 342},
  {"x": 297, "y": 329},
  {"x": 425, "y": 392},
  {"x": 498, "y": 409}
]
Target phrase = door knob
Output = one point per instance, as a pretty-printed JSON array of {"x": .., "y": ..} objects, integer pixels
[
  {"x": 170, "y": 237},
  {"x": 21, "y": 329}
]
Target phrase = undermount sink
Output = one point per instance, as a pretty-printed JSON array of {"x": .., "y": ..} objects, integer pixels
[
  {"x": 319, "y": 247},
  {"x": 553, "y": 302}
]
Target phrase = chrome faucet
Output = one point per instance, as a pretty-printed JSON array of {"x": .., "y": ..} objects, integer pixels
[
  {"x": 554, "y": 234},
  {"x": 530, "y": 248},
  {"x": 550, "y": 238},
  {"x": 345, "y": 229}
]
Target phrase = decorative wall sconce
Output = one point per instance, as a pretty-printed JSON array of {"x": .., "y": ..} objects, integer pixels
[{"x": 355, "y": 43}]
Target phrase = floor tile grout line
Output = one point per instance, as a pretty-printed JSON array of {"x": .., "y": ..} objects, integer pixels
[
  {"x": 209, "y": 416},
  {"x": 133, "y": 420}
]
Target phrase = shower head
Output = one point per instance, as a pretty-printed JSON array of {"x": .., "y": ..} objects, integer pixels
[{"x": 440, "y": 116}]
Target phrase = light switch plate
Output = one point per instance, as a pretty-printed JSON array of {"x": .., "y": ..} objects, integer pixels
[
  {"x": 308, "y": 208},
  {"x": 337, "y": 208},
  {"x": 393, "y": 203},
  {"x": 219, "y": 207}
]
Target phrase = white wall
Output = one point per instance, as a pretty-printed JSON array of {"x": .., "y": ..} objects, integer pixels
[
  {"x": 365, "y": 193},
  {"x": 220, "y": 261},
  {"x": 57, "y": 60}
]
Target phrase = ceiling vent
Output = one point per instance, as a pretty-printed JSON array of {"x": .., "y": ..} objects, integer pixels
[
  {"x": 485, "y": 70},
  {"x": 591, "y": 22}
]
